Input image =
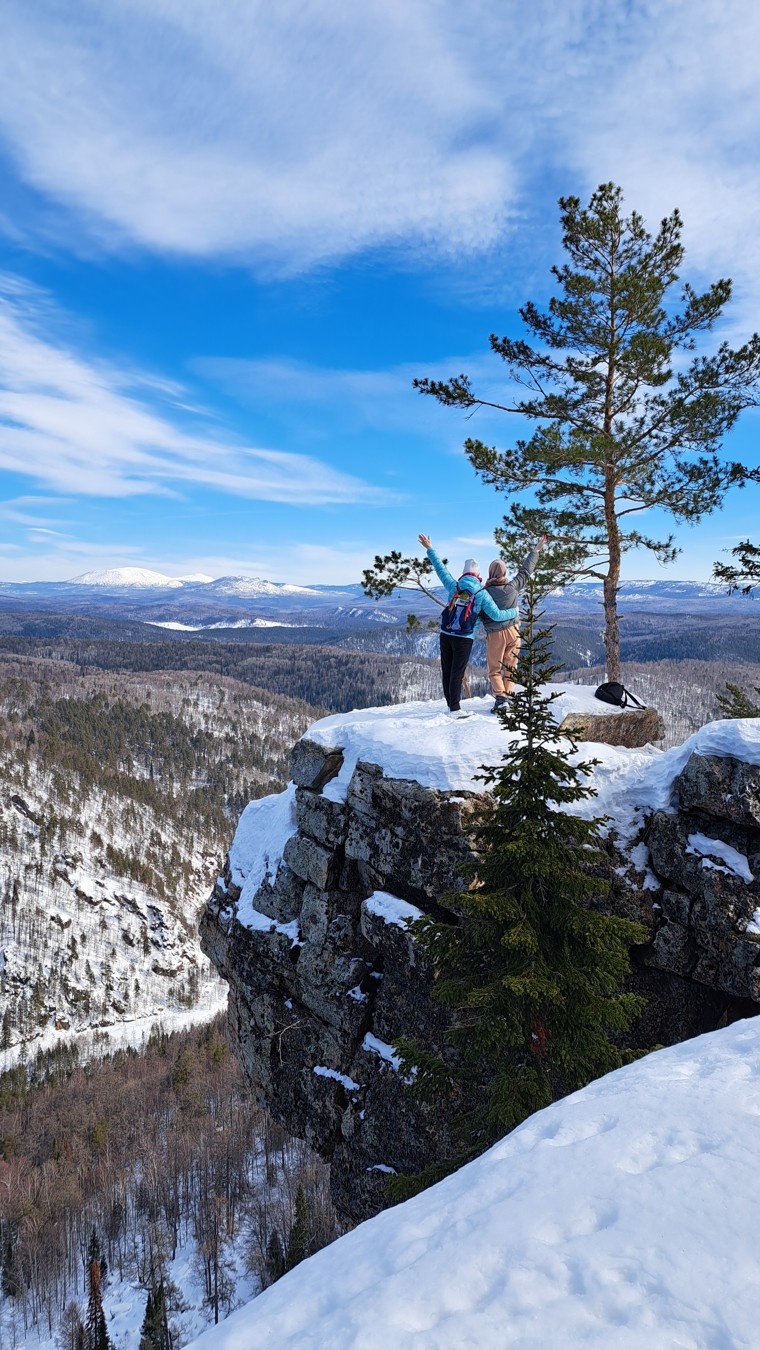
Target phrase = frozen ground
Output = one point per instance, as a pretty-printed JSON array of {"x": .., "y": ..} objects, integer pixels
[{"x": 624, "y": 1216}]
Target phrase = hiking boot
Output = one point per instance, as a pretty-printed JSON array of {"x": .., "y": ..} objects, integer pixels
[{"x": 499, "y": 702}]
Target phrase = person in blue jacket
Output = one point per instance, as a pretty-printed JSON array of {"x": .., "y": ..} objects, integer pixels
[{"x": 468, "y": 598}]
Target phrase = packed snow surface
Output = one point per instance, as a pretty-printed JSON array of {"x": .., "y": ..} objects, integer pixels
[
  {"x": 731, "y": 860},
  {"x": 623, "y": 1216},
  {"x": 421, "y": 741},
  {"x": 392, "y": 910}
]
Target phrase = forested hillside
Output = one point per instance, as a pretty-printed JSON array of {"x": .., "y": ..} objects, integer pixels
[
  {"x": 118, "y": 793},
  {"x": 159, "y": 1166},
  {"x": 323, "y": 676}
]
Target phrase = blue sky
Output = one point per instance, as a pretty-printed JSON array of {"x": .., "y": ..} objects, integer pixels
[{"x": 231, "y": 235}]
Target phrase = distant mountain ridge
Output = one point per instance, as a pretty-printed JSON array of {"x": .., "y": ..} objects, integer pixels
[
  {"x": 143, "y": 578},
  {"x": 661, "y": 617}
]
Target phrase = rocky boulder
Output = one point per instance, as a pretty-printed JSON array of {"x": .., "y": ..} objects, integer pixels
[{"x": 631, "y": 728}]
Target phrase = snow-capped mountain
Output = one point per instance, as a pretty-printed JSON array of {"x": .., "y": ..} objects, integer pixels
[
  {"x": 140, "y": 578},
  {"x": 251, "y": 587}
]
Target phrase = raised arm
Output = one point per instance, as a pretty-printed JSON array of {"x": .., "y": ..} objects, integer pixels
[
  {"x": 528, "y": 565},
  {"x": 444, "y": 575}
]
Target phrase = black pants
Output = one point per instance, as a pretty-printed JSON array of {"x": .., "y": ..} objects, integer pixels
[{"x": 455, "y": 653}]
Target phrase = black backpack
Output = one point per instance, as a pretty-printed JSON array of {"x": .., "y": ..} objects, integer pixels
[
  {"x": 613, "y": 692},
  {"x": 460, "y": 615}
]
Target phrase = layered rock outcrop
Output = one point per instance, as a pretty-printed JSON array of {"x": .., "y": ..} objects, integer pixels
[{"x": 324, "y": 975}]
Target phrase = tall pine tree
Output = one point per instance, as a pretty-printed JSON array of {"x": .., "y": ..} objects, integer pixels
[
  {"x": 533, "y": 973},
  {"x": 624, "y": 423}
]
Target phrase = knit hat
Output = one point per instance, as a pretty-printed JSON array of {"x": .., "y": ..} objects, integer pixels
[
  {"x": 497, "y": 570},
  {"x": 470, "y": 565}
]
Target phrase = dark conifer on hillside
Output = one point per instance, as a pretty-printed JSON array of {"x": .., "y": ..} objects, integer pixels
[
  {"x": 299, "y": 1241},
  {"x": 533, "y": 974},
  {"x": 154, "y": 1333},
  {"x": 95, "y": 1331}
]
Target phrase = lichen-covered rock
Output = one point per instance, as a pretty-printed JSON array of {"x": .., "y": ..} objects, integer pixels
[
  {"x": 415, "y": 839},
  {"x": 314, "y": 766},
  {"x": 632, "y": 728},
  {"x": 723, "y": 787}
]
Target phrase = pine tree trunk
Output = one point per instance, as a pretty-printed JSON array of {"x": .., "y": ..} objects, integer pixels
[
  {"x": 611, "y": 583},
  {"x": 612, "y": 579}
]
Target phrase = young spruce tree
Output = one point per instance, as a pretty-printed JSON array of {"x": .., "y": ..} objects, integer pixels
[{"x": 533, "y": 973}]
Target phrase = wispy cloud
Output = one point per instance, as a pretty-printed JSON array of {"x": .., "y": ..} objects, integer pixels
[
  {"x": 300, "y": 132},
  {"x": 83, "y": 427},
  {"x": 353, "y": 399}
]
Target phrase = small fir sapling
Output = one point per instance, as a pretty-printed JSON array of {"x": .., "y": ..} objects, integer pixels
[
  {"x": 533, "y": 973},
  {"x": 299, "y": 1240}
]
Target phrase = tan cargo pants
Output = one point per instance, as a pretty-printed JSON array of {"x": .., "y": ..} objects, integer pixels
[{"x": 502, "y": 649}]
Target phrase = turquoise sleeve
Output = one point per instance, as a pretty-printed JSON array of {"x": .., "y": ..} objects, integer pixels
[
  {"x": 443, "y": 573},
  {"x": 489, "y": 609}
]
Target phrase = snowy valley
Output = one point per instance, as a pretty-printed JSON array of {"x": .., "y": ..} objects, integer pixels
[{"x": 114, "y": 789}]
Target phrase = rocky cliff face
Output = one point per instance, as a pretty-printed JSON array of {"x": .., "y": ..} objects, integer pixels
[{"x": 324, "y": 977}]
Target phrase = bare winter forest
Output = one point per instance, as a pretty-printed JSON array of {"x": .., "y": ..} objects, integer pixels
[
  {"x": 118, "y": 795},
  {"x": 159, "y": 1166}
]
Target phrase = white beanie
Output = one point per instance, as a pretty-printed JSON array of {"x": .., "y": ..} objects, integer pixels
[{"x": 470, "y": 565}]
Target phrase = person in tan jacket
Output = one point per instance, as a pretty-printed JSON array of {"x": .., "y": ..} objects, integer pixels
[{"x": 503, "y": 639}]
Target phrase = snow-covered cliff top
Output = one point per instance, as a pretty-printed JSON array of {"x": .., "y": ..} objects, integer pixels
[
  {"x": 624, "y": 1215},
  {"x": 422, "y": 741}
]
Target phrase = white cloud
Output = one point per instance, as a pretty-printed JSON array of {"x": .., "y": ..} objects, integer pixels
[
  {"x": 301, "y": 393},
  {"x": 303, "y": 131},
  {"x": 307, "y": 131},
  {"x": 80, "y": 427}
]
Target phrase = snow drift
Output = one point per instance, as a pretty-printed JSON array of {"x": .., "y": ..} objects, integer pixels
[{"x": 623, "y": 1216}]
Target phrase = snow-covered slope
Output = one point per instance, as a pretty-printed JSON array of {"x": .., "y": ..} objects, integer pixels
[
  {"x": 625, "y": 1216},
  {"x": 254, "y": 586},
  {"x": 140, "y": 578}
]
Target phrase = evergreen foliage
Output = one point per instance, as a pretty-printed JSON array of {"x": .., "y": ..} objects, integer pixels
[
  {"x": 744, "y": 574},
  {"x": 95, "y": 1331},
  {"x": 299, "y": 1240},
  {"x": 154, "y": 1333},
  {"x": 623, "y": 425},
  {"x": 533, "y": 973},
  {"x": 275, "y": 1257},
  {"x": 737, "y": 703}
]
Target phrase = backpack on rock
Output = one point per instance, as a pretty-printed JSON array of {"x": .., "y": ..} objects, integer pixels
[{"x": 617, "y": 694}]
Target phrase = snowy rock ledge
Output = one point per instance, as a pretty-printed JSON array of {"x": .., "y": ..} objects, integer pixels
[
  {"x": 308, "y": 923},
  {"x": 625, "y": 1215}
]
